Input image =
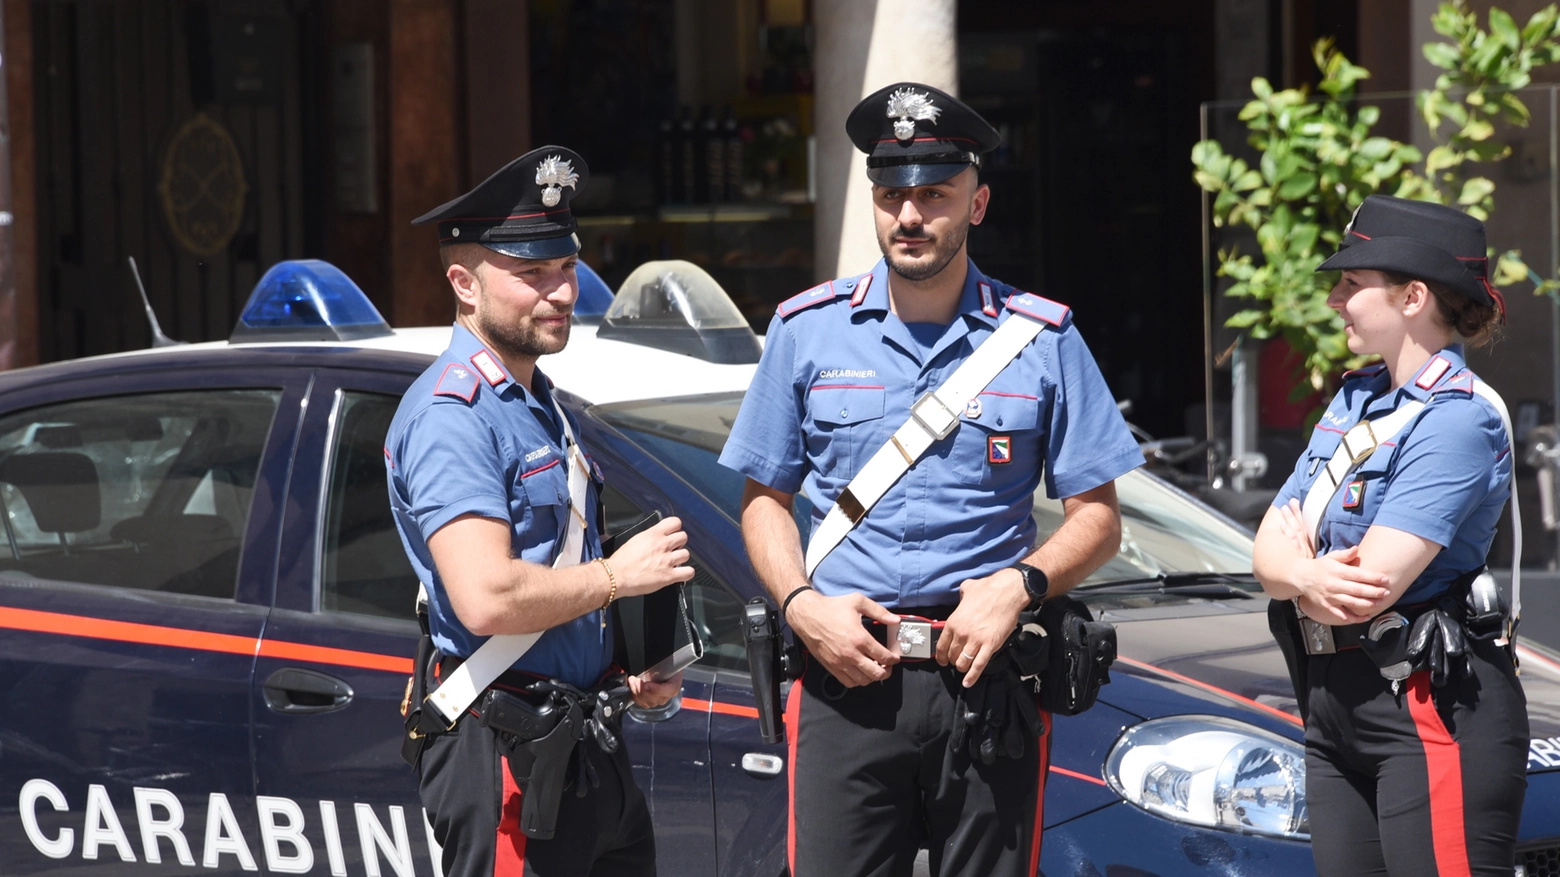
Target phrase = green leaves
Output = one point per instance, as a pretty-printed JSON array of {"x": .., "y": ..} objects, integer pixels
[{"x": 1317, "y": 160}]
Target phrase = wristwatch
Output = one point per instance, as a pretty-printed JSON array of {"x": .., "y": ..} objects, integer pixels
[{"x": 1035, "y": 583}]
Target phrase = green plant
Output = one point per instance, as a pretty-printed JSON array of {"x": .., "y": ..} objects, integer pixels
[{"x": 1319, "y": 160}]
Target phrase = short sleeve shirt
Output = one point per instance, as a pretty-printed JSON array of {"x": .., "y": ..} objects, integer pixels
[
  {"x": 838, "y": 376},
  {"x": 468, "y": 439},
  {"x": 1445, "y": 477}
]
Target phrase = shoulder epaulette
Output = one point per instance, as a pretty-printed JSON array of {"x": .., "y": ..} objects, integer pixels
[
  {"x": 1364, "y": 371},
  {"x": 458, "y": 382},
  {"x": 1462, "y": 382},
  {"x": 817, "y": 295},
  {"x": 1032, "y": 305}
]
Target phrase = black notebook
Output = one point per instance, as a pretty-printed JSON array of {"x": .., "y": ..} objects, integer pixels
[{"x": 655, "y": 634}]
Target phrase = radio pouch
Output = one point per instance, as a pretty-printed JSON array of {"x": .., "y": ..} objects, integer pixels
[{"x": 1081, "y": 652}]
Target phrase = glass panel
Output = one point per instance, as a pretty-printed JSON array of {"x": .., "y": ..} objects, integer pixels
[
  {"x": 148, "y": 491},
  {"x": 365, "y": 569},
  {"x": 1163, "y": 529}
]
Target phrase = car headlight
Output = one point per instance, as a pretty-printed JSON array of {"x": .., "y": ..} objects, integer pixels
[{"x": 1213, "y": 771}]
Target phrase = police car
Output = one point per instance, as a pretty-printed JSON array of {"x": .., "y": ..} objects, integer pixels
[{"x": 208, "y": 619}]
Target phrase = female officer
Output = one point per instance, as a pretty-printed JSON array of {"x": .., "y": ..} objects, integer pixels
[{"x": 1410, "y": 769}]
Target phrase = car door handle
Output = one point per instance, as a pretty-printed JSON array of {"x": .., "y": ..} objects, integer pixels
[
  {"x": 763, "y": 764},
  {"x": 296, "y": 690}
]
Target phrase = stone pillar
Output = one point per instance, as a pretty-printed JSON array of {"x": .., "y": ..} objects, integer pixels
[{"x": 861, "y": 47}]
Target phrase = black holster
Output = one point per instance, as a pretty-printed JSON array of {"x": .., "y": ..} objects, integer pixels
[
  {"x": 420, "y": 723},
  {"x": 1284, "y": 624},
  {"x": 540, "y": 767}
]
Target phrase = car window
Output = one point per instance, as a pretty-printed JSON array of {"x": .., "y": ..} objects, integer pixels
[
  {"x": 686, "y": 435},
  {"x": 147, "y": 491},
  {"x": 715, "y": 612},
  {"x": 363, "y": 566}
]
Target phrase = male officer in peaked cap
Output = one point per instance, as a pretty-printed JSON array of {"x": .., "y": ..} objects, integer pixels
[
  {"x": 923, "y": 551},
  {"x": 497, "y": 507}
]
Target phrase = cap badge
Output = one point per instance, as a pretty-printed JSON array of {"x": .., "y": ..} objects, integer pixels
[
  {"x": 906, "y": 107},
  {"x": 553, "y": 174}
]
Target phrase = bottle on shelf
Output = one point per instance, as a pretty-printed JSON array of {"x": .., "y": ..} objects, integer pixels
[
  {"x": 731, "y": 133},
  {"x": 666, "y": 161},
  {"x": 687, "y": 163},
  {"x": 713, "y": 147}
]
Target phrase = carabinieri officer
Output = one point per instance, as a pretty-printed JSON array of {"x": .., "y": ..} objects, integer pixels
[
  {"x": 951, "y": 540},
  {"x": 1415, "y": 725},
  {"x": 497, "y": 508}
]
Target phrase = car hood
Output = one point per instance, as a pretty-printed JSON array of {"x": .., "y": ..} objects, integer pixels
[{"x": 1225, "y": 652}]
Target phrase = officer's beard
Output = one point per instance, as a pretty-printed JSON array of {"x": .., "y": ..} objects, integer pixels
[
  {"x": 943, "y": 250},
  {"x": 519, "y": 339}
]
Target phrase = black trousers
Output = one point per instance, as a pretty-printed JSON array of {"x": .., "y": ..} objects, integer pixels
[
  {"x": 872, "y": 781},
  {"x": 1424, "y": 782},
  {"x": 474, "y": 805}
]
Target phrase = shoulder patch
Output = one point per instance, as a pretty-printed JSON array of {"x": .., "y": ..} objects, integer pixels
[
  {"x": 457, "y": 381},
  {"x": 489, "y": 368},
  {"x": 1432, "y": 373},
  {"x": 815, "y": 296},
  {"x": 863, "y": 283},
  {"x": 988, "y": 299},
  {"x": 1043, "y": 309}
]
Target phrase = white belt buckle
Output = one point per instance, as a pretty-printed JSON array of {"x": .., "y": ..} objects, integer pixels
[
  {"x": 914, "y": 638},
  {"x": 940, "y": 421}
]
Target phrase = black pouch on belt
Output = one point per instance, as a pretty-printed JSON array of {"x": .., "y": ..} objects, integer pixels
[
  {"x": 1081, "y": 652},
  {"x": 417, "y": 728},
  {"x": 1284, "y": 624},
  {"x": 539, "y": 765}
]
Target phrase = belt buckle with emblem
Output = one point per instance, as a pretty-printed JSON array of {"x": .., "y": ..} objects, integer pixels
[
  {"x": 913, "y": 638},
  {"x": 1318, "y": 637}
]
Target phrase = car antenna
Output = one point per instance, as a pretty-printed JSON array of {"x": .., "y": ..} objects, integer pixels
[{"x": 158, "y": 338}]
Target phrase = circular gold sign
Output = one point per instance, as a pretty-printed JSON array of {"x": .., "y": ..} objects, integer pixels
[{"x": 203, "y": 186}]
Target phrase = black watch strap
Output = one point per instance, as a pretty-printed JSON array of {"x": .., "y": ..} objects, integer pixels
[{"x": 1036, "y": 584}]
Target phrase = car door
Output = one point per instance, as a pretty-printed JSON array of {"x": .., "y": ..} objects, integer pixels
[
  {"x": 140, "y": 513},
  {"x": 328, "y": 684}
]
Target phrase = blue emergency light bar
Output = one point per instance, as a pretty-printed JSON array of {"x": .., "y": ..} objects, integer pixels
[
  {"x": 595, "y": 296},
  {"x": 307, "y": 300}
]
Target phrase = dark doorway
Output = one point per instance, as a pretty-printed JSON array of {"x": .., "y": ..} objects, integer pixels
[
  {"x": 172, "y": 132},
  {"x": 1093, "y": 200}
]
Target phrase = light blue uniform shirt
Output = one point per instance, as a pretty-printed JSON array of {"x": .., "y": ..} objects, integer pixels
[
  {"x": 467, "y": 439},
  {"x": 1444, "y": 478},
  {"x": 838, "y": 376}
]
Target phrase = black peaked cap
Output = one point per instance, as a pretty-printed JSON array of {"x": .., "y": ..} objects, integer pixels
[
  {"x": 522, "y": 210},
  {"x": 916, "y": 135},
  {"x": 1422, "y": 239}
]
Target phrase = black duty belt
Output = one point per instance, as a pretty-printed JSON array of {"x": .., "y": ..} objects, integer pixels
[
  {"x": 1326, "y": 639},
  {"x": 914, "y": 637}
]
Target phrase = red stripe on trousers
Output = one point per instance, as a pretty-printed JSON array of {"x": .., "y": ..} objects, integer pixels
[
  {"x": 1443, "y": 763},
  {"x": 509, "y": 844},
  {"x": 1045, "y": 766},
  {"x": 793, "y": 716}
]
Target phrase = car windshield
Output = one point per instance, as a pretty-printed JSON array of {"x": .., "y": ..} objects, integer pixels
[{"x": 1163, "y": 530}]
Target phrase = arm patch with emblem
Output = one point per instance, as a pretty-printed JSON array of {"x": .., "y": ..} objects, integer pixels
[{"x": 458, "y": 381}]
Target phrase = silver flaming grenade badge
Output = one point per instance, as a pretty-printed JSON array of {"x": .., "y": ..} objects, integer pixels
[
  {"x": 553, "y": 174},
  {"x": 906, "y": 107}
]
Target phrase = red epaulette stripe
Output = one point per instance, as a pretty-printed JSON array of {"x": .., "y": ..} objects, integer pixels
[
  {"x": 862, "y": 286},
  {"x": 988, "y": 301}
]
